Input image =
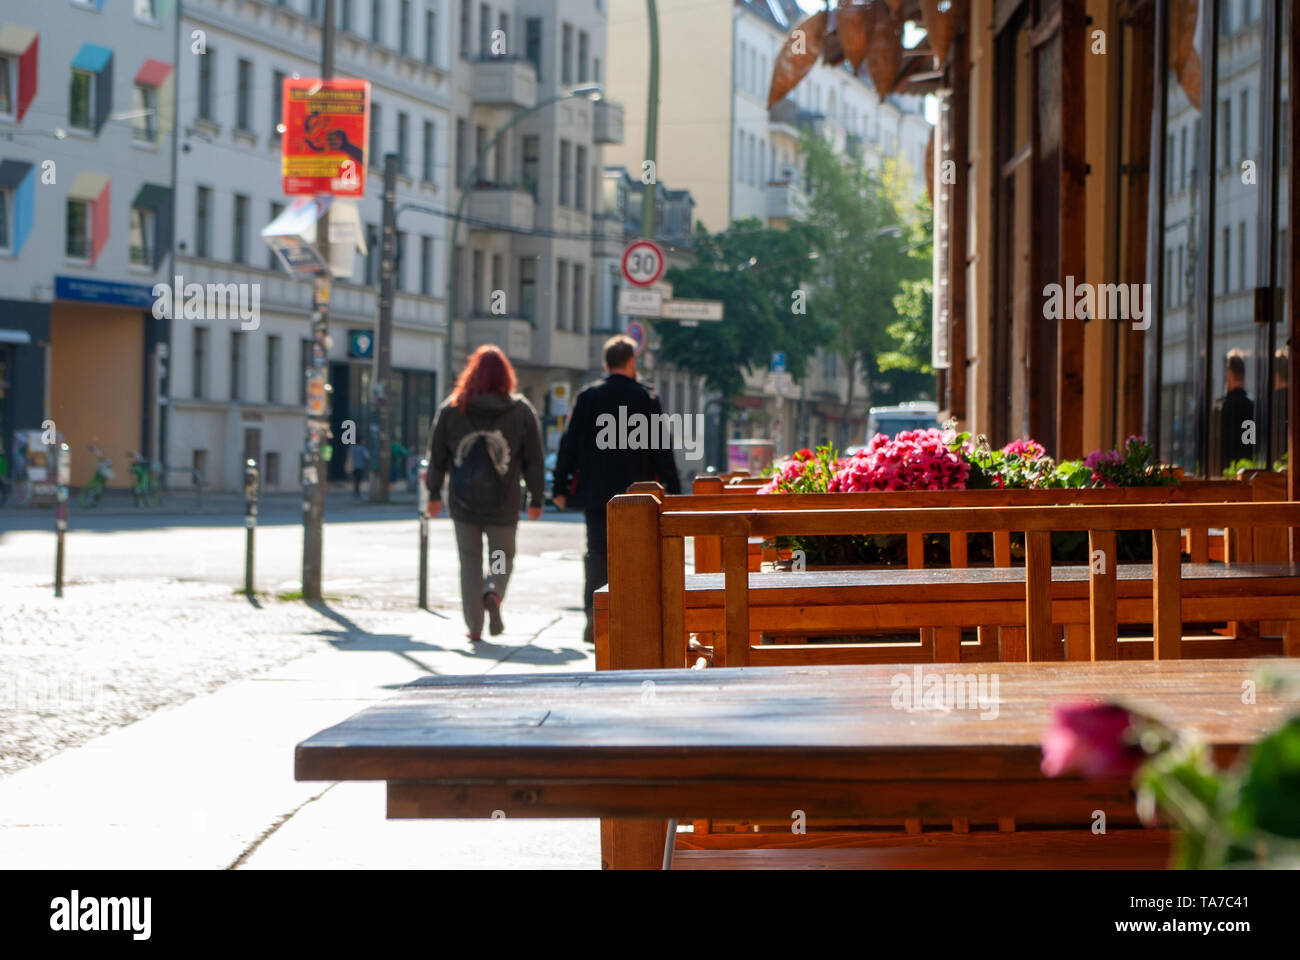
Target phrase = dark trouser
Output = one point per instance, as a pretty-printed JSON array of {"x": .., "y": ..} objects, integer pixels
[
  {"x": 596, "y": 561},
  {"x": 357, "y": 477},
  {"x": 501, "y": 561}
]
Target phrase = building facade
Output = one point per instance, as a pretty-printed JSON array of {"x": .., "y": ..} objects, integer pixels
[{"x": 86, "y": 153}]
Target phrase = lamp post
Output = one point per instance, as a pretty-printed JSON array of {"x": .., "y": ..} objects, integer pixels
[{"x": 576, "y": 93}]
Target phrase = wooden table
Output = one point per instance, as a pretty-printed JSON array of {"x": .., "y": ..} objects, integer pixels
[{"x": 763, "y": 743}]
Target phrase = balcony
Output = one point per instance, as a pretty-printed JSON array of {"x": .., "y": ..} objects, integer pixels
[
  {"x": 785, "y": 200},
  {"x": 609, "y": 239},
  {"x": 502, "y": 206},
  {"x": 512, "y": 334},
  {"x": 607, "y": 122},
  {"x": 784, "y": 118},
  {"x": 504, "y": 82}
]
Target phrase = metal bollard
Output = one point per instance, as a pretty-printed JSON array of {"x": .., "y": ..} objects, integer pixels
[
  {"x": 422, "y": 499},
  {"x": 63, "y": 474},
  {"x": 250, "y": 520}
]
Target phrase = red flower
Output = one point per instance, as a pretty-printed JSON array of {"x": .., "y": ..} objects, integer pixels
[
  {"x": 1095, "y": 739},
  {"x": 804, "y": 454}
]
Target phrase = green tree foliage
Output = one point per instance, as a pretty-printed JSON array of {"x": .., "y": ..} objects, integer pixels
[{"x": 756, "y": 272}]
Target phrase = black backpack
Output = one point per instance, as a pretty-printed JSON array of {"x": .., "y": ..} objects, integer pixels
[{"x": 477, "y": 486}]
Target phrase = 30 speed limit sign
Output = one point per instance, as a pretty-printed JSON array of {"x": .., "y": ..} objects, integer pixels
[{"x": 643, "y": 263}]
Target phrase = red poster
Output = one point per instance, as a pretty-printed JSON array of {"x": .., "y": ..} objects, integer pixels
[{"x": 326, "y": 135}]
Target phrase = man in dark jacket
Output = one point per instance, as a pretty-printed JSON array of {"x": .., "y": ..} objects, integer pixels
[
  {"x": 596, "y": 460},
  {"x": 1236, "y": 410}
]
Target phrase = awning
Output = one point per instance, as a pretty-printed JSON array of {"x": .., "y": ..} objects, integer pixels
[
  {"x": 152, "y": 197},
  {"x": 87, "y": 186},
  {"x": 153, "y": 73},
  {"x": 12, "y": 172},
  {"x": 15, "y": 336},
  {"x": 15, "y": 40},
  {"x": 91, "y": 57}
]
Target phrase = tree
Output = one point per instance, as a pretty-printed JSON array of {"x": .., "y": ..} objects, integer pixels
[
  {"x": 756, "y": 272},
  {"x": 870, "y": 246}
]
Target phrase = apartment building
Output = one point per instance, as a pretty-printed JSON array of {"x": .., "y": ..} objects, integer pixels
[
  {"x": 739, "y": 159},
  {"x": 85, "y": 220},
  {"x": 532, "y": 72},
  {"x": 237, "y": 389}
]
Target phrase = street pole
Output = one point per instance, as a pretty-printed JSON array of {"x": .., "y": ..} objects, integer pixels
[
  {"x": 314, "y": 463},
  {"x": 383, "y": 365},
  {"x": 651, "y": 127}
]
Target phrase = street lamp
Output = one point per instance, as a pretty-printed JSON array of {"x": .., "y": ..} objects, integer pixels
[{"x": 589, "y": 92}]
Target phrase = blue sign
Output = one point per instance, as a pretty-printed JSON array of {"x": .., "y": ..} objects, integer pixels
[
  {"x": 361, "y": 344},
  {"x": 89, "y": 290},
  {"x": 778, "y": 362}
]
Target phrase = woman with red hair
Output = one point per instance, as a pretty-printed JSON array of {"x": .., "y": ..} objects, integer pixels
[{"x": 485, "y": 438}]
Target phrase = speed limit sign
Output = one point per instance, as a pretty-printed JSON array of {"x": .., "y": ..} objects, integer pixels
[{"x": 643, "y": 263}]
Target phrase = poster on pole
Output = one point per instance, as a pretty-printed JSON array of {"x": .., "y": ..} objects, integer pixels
[{"x": 326, "y": 136}]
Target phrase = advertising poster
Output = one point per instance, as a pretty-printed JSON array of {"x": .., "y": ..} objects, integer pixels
[{"x": 326, "y": 135}]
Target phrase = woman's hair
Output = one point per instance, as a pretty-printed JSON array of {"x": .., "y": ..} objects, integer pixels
[{"x": 486, "y": 371}]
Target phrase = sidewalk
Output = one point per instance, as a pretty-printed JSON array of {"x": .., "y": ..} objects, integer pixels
[{"x": 209, "y": 784}]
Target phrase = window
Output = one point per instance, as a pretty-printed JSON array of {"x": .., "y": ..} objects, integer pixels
[
  {"x": 1241, "y": 256},
  {"x": 484, "y": 31},
  {"x": 146, "y": 10},
  {"x": 499, "y": 161},
  {"x": 583, "y": 42},
  {"x": 564, "y": 172},
  {"x": 566, "y": 55},
  {"x": 579, "y": 289},
  {"x": 81, "y": 95},
  {"x": 530, "y": 164},
  {"x": 345, "y": 15},
  {"x": 144, "y": 225},
  {"x": 271, "y": 472},
  {"x": 476, "y": 283},
  {"x": 6, "y": 204},
  {"x": 372, "y": 255},
  {"x": 595, "y": 70},
  {"x": 480, "y": 144},
  {"x": 277, "y": 103},
  {"x": 272, "y": 261},
  {"x": 304, "y": 364},
  {"x": 498, "y": 277},
  {"x": 430, "y": 38},
  {"x": 236, "y": 365},
  {"x": 244, "y": 96},
  {"x": 205, "y": 84},
  {"x": 202, "y": 224},
  {"x": 144, "y": 113},
  {"x": 6, "y": 87},
  {"x": 272, "y": 369},
  {"x": 466, "y": 15},
  {"x": 376, "y": 134},
  {"x": 503, "y": 24},
  {"x": 199, "y": 367},
  {"x": 426, "y": 169},
  {"x": 461, "y": 133},
  {"x": 580, "y": 178},
  {"x": 404, "y": 29},
  {"x": 239, "y": 245},
  {"x": 527, "y": 286},
  {"x": 426, "y": 266},
  {"x": 1245, "y": 124},
  {"x": 400, "y": 256},
  {"x": 78, "y": 230},
  {"x": 376, "y": 21},
  {"x": 1226, "y": 113},
  {"x": 533, "y": 44},
  {"x": 403, "y": 144},
  {"x": 561, "y": 294}
]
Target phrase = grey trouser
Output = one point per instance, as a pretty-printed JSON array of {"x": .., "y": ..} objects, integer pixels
[{"x": 501, "y": 560}]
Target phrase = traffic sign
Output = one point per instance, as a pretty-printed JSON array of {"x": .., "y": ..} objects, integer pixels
[
  {"x": 640, "y": 303},
  {"x": 692, "y": 310},
  {"x": 643, "y": 263},
  {"x": 780, "y": 385},
  {"x": 636, "y": 331},
  {"x": 778, "y": 362}
]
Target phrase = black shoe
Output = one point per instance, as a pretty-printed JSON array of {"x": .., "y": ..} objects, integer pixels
[{"x": 492, "y": 605}]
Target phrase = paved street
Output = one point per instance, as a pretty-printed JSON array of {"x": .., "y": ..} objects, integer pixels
[{"x": 148, "y": 718}]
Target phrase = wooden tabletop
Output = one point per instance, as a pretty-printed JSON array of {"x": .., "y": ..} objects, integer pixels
[{"x": 774, "y": 723}]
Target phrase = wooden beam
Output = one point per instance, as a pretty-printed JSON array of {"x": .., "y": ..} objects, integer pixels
[
  {"x": 1293, "y": 285},
  {"x": 1103, "y": 614},
  {"x": 1073, "y": 222}
]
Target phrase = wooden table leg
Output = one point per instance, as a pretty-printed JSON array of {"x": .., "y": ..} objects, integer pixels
[{"x": 632, "y": 844}]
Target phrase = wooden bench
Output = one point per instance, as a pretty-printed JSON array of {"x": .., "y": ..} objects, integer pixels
[
  {"x": 990, "y": 600},
  {"x": 770, "y": 745}
]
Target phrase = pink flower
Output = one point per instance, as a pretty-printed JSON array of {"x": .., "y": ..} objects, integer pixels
[
  {"x": 1029, "y": 449},
  {"x": 1095, "y": 739}
]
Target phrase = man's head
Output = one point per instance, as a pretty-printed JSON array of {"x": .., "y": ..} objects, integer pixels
[
  {"x": 620, "y": 355},
  {"x": 1236, "y": 369}
]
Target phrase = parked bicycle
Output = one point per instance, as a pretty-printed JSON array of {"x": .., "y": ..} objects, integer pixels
[
  {"x": 93, "y": 491},
  {"x": 146, "y": 485}
]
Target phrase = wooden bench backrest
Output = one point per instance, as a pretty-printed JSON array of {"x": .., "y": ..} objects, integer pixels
[{"x": 647, "y": 562}]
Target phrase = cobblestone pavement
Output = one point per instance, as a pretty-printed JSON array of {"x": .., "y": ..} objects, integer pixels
[{"x": 110, "y": 653}]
